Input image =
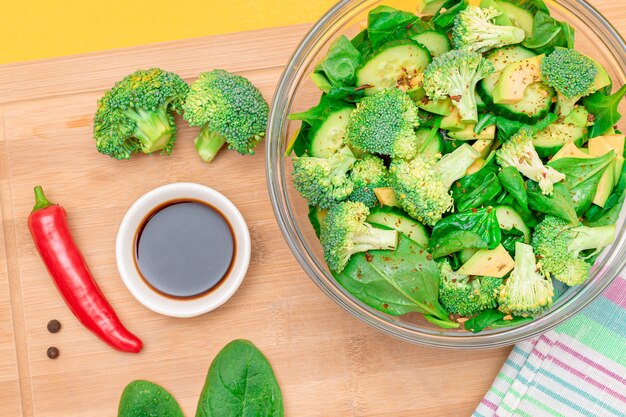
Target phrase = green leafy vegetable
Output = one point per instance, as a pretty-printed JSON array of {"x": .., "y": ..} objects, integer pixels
[
  {"x": 395, "y": 282},
  {"x": 484, "y": 121},
  {"x": 477, "y": 189},
  {"x": 559, "y": 204},
  {"x": 509, "y": 237},
  {"x": 385, "y": 24},
  {"x": 362, "y": 43},
  {"x": 548, "y": 33},
  {"x": 240, "y": 382},
  {"x": 609, "y": 214},
  {"x": 494, "y": 319},
  {"x": 444, "y": 18},
  {"x": 341, "y": 62},
  {"x": 604, "y": 109},
  {"x": 508, "y": 128},
  {"x": 473, "y": 229},
  {"x": 513, "y": 183},
  {"x": 146, "y": 399}
]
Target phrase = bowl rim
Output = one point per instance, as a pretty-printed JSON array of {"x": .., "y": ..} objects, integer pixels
[
  {"x": 373, "y": 318},
  {"x": 125, "y": 244}
]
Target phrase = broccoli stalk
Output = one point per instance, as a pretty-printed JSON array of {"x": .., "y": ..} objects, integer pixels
[
  {"x": 229, "y": 109},
  {"x": 136, "y": 114},
  {"x": 473, "y": 30},
  {"x": 324, "y": 181},
  {"x": 384, "y": 124},
  {"x": 526, "y": 291},
  {"x": 455, "y": 75},
  {"x": 345, "y": 232},
  {"x": 571, "y": 74},
  {"x": 519, "y": 152},
  {"x": 560, "y": 245},
  {"x": 466, "y": 295},
  {"x": 422, "y": 185}
]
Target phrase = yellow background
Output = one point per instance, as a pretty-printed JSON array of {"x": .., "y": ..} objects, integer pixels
[{"x": 35, "y": 29}]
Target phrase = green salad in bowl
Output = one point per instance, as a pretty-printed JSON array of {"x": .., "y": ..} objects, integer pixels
[{"x": 461, "y": 162}]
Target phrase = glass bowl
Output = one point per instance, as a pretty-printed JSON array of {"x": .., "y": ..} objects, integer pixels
[{"x": 296, "y": 92}]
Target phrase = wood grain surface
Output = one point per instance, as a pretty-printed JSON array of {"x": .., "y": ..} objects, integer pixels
[{"x": 327, "y": 362}]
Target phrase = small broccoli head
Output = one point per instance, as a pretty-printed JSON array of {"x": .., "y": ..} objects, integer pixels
[
  {"x": 571, "y": 74},
  {"x": 474, "y": 30},
  {"x": 345, "y": 232},
  {"x": 519, "y": 152},
  {"x": 466, "y": 295},
  {"x": 368, "y": 173},
  {"x": 136, "y": 114},
  {"x": 230, "y": 109},
  {"x": 559, "y": 245},
  {"x": 384, "y": 124},
  {"x": 455, "y": 75},
  {"x": 526, "y": 292},
  {"x": 324, "y": 181},
  {"x": 422, "y": 185}
]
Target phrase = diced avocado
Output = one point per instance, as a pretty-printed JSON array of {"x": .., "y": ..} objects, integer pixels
[
  {"x": 452, "y": 121},
  {"x": 429, "y": 7},
  {"x": 386, "y": 196},
  {"x": 616, "y": 141},
  {"x": 483, "y": 146},
  {"x": 488, "y": 133},
  {"x": 619, "y": 164},
  {"x": 489, "y": 263},
  {"x": 549, "y": 140},
  {"x": 598, "y": 146},
  {"x": 327, "y": 138},
  {"x": 441, "y": 107},
  {"x": 475, "y": 167},
  {"x": 602, "y": 78},
  {"x": 321, "y": 82},
  {"x": 395, "y": 218},
  {"x": 515, "y": 78},
  {"x": 569, "y": 150},
  {"x": 508, "y": 219}
]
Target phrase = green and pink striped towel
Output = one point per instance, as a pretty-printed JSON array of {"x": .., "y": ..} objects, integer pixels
[{"x": 575, "y": 370}]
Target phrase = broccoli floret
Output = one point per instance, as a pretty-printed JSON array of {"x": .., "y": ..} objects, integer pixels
[
  {"x": 422, "y": 185},
  {"x": 455, "y": 75},
  {"x": 324, "y": 181},
  {"x": 466, "y": 295},
  {"x": 559, "y": 245},
  {"x": 136, "y": 114},
  {"x": 230, "y": 109},
  {"x": 526, "y": 292},
  {"x": 519, "y": 152},
  {"x": 345, "y": 232},
  {"x": 368, "y": 173},
  {"x": 384, "y": 124},
  {"x": 474, "y": 30}
]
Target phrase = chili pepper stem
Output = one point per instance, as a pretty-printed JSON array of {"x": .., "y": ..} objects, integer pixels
[{"x": 41, "y": 201}]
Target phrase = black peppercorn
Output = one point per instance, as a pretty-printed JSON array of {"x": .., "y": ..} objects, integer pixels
[
  {"x": 54, "y": 326},
  {"x": 53, "y": 352}
]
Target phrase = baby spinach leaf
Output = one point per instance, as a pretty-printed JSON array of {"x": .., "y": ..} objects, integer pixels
[
  {"x": 604, "y": 109},
  {"x": 445, "y": 16},
  {"x": 559, "y": 204},
  {"x": 319, "y": 113},
  {"x": 144, "y": 398},
  {"x": 240, "y": 382},
  {"x": 341, "y": 62},
  {"x": 513, "y": 183},
  {"x": 495, "y": 319},
  {"x": 514, "y": 321},
  {"x": 385, "y": 24},
  {"x": 346, "y": 93},
  {"x": 509, "y": 237},
  {"x": 300, "y": 141},
  {"x": 582, "y": 177},
  {"x": 476, "y": 228},
  {"x": 446, "y": 324},
  {"x": 395, "y": 282},
  {"x": 484, "y": 121},
  {"x": 548, "y": 33},
  {"x": 477, "y": 189},
  {"x": 533, "y": 5},
  {"x": 609, "y": 214},
  {"x": 362, "y": 43},
  {"x": 508, "y": 128}
]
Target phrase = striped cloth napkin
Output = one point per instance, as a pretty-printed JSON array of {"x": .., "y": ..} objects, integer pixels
[{"x": 578, "y": 369}]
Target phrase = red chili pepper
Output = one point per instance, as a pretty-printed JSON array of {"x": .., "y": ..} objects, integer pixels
[{"x": 51, "y": 234}]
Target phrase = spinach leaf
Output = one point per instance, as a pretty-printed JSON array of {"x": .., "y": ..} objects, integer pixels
[
  {"x": 495, "y": 319},
  {"x": 509, "y": 237},
  {"x": 604, "y": 109},
  {"x": 484, "y": 121},
  {"x": 240, "y": 382},
  {"x": 533, "y": 5},
  {"x": 346, "y": 93},
  {"x": 299, "y": 143},
  {"x": 320, "y": 112},
  {"x": 548, "y": 33},
  {"x": 507, "y": 128},
  {"x": 362, "y": 43},
  {"x": 446, "y": 324},
  {"x": 476, "y": 228},
  {"x": 559, "y": 204},
  {"x": 527, "y": 215},
  {"x": 395, "y": 282},
  {"x": 144, "y": 398},
  {"x": 385, "y": 24},
  {"x": 477, "y": 189},
  {"x": 582, "y": 177},
  {"x": 445, "y": 16},
  {"x": 609, "y": 214},
  {"x": 341, "y": 62},
  {"x": 513, "y": 183}
]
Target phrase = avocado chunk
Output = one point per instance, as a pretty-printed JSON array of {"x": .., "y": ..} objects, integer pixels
[
  {"x": 453, "y": 121},
  {"x": 570, "y": 150},
  {"x": 386, "y": 196},
  {"x": 515, "y": 78},
  {"x": 483, "y": 146},
  {"x": 441, "y": 107},
  {"x": 598, "y": 146},
  {"x": 489, "y": 263},
  {"x": 396, "y": 219},
  {"x": 602, "y": 78}
]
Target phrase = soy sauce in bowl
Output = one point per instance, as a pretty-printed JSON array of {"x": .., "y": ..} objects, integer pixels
[{"x": 184, "y": 248}]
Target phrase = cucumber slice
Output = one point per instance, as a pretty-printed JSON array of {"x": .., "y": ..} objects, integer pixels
[
  {"x": 435, "y": 146},
  {"x": 549, "y": 140},
  {"x": 537, "y": 99},
  {"x": 508, "y": 218},
  {"x": 518, "y": 16},
  {"x": 437, "y": 43},
  {"x": 396, "y": 219},
  {"x": 395, "y": 64},
  {"x": 327, "y": 138}
]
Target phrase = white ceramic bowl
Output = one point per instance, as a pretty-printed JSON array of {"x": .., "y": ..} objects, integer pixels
[{"x": 125, "y": 246}]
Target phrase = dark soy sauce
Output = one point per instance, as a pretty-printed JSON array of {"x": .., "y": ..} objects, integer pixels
[{"x": 184, "y": 248}]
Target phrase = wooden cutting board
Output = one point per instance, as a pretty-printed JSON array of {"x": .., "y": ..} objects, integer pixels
[{"x": 327, "y": 362}]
